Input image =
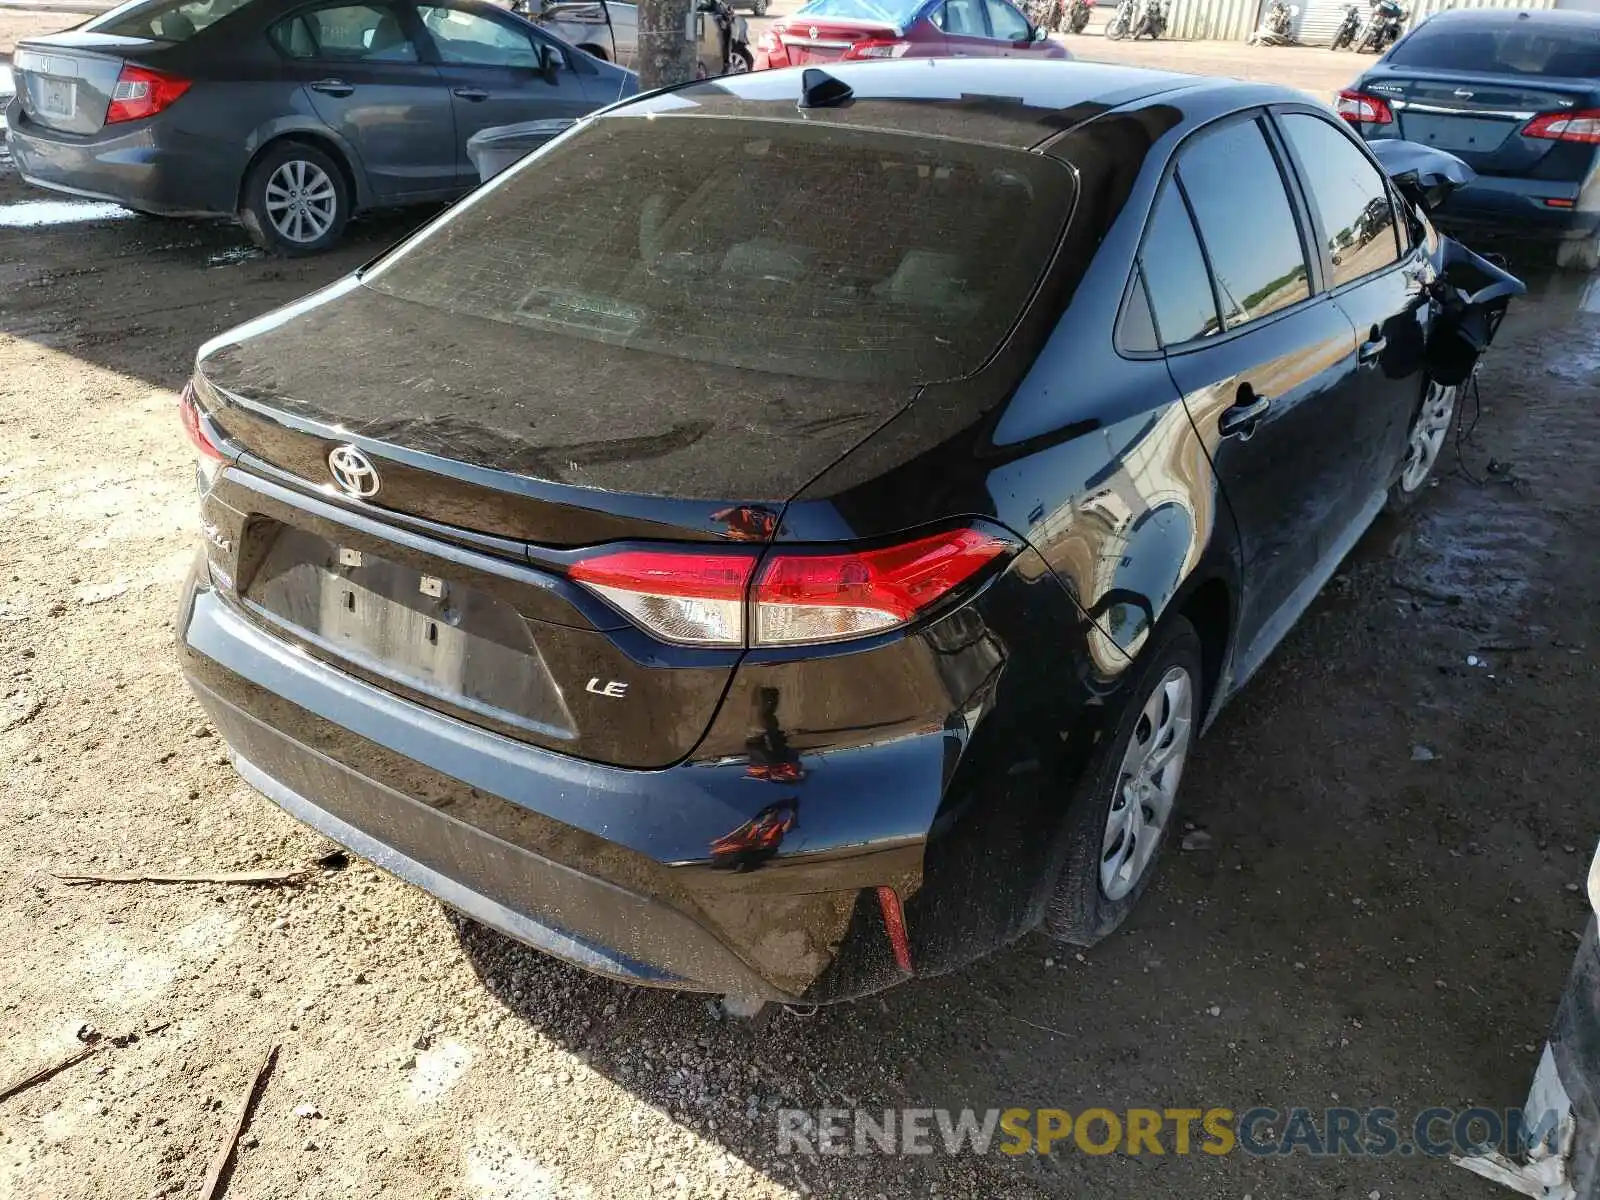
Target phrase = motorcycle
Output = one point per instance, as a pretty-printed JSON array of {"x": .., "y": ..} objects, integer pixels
[
  {"x": 1277, "y": 26},
  {"x": 1382, "y": 26},
  {"x": 1131, "y": 20},
  {"x": 1152, "y": 21},
  {"x": 1345, "y": 35},
  {"x": 1121, "y": 23},
  {"x": 1078, "y": 16}
]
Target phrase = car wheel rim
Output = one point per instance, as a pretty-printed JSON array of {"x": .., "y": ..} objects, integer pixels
[
  {"x": 1147, "y": 783},
  {"x": 1427, "y": 435},
  {"x": 301, "y": 201}
]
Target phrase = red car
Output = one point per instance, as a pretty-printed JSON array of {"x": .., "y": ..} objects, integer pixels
[{"x": 829, "y": 30}]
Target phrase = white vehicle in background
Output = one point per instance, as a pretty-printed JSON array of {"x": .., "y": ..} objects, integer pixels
[
  {"x": 1564, "y": 1101},
  {"x": 609, "y": 30}
]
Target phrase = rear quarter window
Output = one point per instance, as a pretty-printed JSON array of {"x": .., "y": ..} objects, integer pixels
[
  {"x": 809, "y": 250},
  {"x": 164, "y": 20}
]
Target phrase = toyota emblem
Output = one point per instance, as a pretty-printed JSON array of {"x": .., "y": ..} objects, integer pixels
[{"x": 353, "y": 472}]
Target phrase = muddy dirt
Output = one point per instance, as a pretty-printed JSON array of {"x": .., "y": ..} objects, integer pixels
[{"x": 1371, "y": 925}]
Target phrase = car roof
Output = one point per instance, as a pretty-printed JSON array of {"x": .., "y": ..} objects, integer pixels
[
  {"x": 1008, "y": 102},
  {"x": 1505, "y": 18}
]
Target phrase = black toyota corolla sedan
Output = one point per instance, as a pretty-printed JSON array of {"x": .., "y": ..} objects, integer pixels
[{"x": 786, "y": 535}]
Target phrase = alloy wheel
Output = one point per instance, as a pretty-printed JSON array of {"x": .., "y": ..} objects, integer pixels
[
  {"x": 301, "y": 201},
  {"x": 1427, "y": 435},
  {"x": 1147, "y": 783}
]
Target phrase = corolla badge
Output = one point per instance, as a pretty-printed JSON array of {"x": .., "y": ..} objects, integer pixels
[
  {"x": 353, "y": 472},
  {"x": 813, "y": 32},
  {"x": 1463, "y": 94}
]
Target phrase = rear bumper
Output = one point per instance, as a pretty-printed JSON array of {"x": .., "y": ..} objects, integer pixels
[
  {"x": 1518, "y": 208},
  {"x": 136, "y": 167},
  {"x": 577, "y": 859}
]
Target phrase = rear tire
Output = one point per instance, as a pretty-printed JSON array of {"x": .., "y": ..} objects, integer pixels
[
  {"x": 296, "y": 200},
  {"x": 1128, "y": 792}
]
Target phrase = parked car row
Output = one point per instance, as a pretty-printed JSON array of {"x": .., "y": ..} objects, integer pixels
[
  {"x": 294, "y": 115},
  {"x": 828, "y": 31}
]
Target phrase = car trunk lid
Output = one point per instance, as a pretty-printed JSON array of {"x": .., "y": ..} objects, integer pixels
[
  {"x": 499, "y": 464},
  {"x": 1478, "y": 117},
  {"x": 66, "y": 81},
  {"x": 537, "y": 437},
  {"x": 827, "y": 39}
]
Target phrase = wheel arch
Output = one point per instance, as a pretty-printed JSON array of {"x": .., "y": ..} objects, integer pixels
[
  {"x": 1210, "y": 607},
  {"x": 343, "y": 155}
]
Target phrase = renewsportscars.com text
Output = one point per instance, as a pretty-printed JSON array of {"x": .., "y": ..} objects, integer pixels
[{"x": 1328, "y": 1132}]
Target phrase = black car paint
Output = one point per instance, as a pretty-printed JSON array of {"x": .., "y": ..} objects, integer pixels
[
  {"x": 394, "y": 126},
  {"x": 936, "y": 760}
]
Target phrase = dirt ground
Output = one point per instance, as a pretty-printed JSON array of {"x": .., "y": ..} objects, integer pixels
[{"x": 1385, "y": 916}]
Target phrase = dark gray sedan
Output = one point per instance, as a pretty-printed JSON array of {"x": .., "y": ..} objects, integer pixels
[{"x": 291, "y": 114}]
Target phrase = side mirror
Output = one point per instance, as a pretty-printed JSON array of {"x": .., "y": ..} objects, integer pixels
[
  {"x": 551, "y": 60},
  {"x": 1040, "y": 33}
]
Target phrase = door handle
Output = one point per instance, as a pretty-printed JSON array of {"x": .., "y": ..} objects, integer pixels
[
  {"x": 472, "y": 94},
  {"x": 1372, "y": 349},
  {"x": 1241, "y": 420},
  {"x": 332, "y": 87}
]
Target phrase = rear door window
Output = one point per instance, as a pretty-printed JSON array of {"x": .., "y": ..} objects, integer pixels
[
  {"x": 1246, "y": 222},
  {"x": 811, "y": 250},
  {"x": 1181, "y": 299},
  {"x": 1532, "y": 47},
  {"x": 1348, "y": 192},
  {"x": 346, "y": 33}
]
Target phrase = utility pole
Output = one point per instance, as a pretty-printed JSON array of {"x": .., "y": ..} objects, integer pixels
[{"x": 666, "y": 52}]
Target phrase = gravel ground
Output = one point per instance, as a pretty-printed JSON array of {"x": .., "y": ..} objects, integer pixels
[{"x": 1385, "y": 914}]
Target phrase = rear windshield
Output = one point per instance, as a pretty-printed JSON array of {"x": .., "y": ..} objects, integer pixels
[
  {"x": 1524, "y": 49},
  {"x": 891, "y": 12},
  {"x": 810, "y": 250},
  {"x": 166, "y": 20}
]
